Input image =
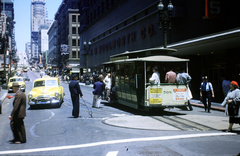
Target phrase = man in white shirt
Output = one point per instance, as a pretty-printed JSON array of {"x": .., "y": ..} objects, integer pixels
[
  {"x": 155, "y": 79},
  {"x": 108, "y": 83}
]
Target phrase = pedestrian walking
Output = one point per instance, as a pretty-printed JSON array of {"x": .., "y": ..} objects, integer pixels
[
  {"x": 206, "y": 92},
  {"x": 108, "y": 83},
  {"x": 225, "y": 86},
  {"x": 155, "y": 79},
  {"x": 101, "y": 79},
  {"x": 98, "y": 90},
  {"x": 17, "y": 115},
  {"x": 75, "y": 91},
  {"x": 232, "y": 99},
  {"x": 170, "y": 76},
  {"x": 185, "y": 78}
]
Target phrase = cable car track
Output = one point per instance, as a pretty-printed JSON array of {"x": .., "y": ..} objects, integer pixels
[{"x": 182, "y": 124}]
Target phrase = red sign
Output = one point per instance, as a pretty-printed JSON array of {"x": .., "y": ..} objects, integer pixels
[{"x": 213, "y": 9}]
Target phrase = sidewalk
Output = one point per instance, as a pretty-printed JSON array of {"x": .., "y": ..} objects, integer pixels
[{"x": 214, "y": 106}]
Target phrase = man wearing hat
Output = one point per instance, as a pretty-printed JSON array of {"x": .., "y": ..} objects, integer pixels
[
  {"x": 17, "y": 115},
  {"x": 206, "y": 91},
  {"x": 75, "y": 92}
]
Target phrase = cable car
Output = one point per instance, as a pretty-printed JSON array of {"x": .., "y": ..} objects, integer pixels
[{"x": 131, "y": 79}]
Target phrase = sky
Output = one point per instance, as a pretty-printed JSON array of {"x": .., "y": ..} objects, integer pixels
[{"x": 22, "y": 18}]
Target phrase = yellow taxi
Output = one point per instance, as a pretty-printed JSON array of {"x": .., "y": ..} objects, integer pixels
[
  {"x": 46, "y": 91},
  {"x": 20, "y": 82}
]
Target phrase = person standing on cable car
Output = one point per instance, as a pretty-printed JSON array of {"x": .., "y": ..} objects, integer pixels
[{"x": 155, "y": 79}]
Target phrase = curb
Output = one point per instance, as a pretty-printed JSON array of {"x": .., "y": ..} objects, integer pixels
[{"x": 212, "y": 107}]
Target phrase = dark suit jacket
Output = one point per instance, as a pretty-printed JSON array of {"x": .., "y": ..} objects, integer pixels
[
  {"x": 19, "y": 106},
  {"x": 98, "y": 88},
  {"x": 75, "y": 88}
]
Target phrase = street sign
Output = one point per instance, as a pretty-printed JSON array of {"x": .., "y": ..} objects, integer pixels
[{"x": 64, "y": 49}]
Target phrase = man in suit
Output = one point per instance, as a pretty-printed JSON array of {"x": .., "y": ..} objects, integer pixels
[
  {"x": 75, "y": 92},
  {"x": 17, "y": 115},
  {"x": 98, "y": 89}
]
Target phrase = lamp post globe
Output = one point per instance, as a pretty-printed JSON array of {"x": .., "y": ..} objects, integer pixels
[
  {"x": 165, "y": 16},
  {"x": 160, "y": 6},
  {"x": 170, "y": 6}
]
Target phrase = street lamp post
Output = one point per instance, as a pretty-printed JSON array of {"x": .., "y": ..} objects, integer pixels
[
  {"x": 87, "y": 48},
  {"x": 165, "y": 19}
]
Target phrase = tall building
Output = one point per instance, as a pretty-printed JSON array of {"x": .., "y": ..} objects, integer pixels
[
  {"x": 38, "y": 18},
  {"x": 67, "y": 18},
  {"x": 28, "y": 50}
]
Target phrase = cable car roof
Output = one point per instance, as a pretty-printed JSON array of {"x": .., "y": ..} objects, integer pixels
[
  {"x": 159, "y": 58},
  {"x": 146, "y": 52}
]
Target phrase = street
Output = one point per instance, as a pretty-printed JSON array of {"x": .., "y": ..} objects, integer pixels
[{"x": 116, "y": 130}]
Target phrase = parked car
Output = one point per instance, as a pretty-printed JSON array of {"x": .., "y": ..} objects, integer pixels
[
  {"x": 20, "y": 82},
  {"x": 46, "y": 91}
]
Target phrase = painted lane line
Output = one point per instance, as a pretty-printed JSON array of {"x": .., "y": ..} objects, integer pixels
[
  {"x": 112, "y": 153},
  {"x": 116, "y": 142},
  {"x": 33, "y": 127}
]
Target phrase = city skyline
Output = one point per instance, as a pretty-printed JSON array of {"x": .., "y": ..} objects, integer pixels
[{"x": 22, "y": 15}]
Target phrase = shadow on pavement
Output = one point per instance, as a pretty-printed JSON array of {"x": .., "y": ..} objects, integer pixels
[{"x": 153, "y": 112}]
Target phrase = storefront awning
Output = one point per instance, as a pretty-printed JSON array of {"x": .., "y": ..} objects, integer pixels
[{"x": 214, "y": 43}]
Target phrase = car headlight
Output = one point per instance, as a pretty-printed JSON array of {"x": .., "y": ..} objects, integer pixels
[
  {"x": 56, "y": 94},
  {"x": 9, "y": 86},
  {"x": 30, "y": 95}
]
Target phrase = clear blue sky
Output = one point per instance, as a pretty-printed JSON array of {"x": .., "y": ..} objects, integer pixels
[{"x": 22, "y": 15}]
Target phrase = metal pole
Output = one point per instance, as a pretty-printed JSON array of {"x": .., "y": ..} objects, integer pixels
[
  {"x": 165, "y": 38},
  {"x": 10, "y": 65},
  {"x": 87, "y": 63},
  {"x": 4, "y": 72}
]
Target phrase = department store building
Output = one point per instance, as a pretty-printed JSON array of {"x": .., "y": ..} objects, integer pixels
[{"x": 207, "y": 32}]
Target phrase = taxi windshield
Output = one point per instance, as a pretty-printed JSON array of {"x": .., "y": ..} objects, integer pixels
[
  {"x": 19, "y": 79},
  {"x": 39, "y": 84},
  {"x": 51, "y": 83},
  {"x": 46, "y": 83},
  {"x": 12, "y": 80}
]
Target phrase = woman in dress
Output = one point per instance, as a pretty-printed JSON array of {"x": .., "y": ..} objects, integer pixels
[{"x": 232, "y": 96}]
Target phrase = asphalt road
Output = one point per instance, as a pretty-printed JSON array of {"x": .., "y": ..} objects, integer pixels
[{"x": 115, "y": 130}]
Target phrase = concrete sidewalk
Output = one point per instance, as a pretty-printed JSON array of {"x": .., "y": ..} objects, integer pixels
[{"x": 214, "y": 106}]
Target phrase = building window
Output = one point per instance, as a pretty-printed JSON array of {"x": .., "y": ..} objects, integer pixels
[
  {"x": 146, "y": 12},
  {"x": 74, "y": 5},
  {"x": 125, "y": 23},
  {"x": 74, "y": 54},
  {"x": 74, "y": 42},
  {"x": 78, "y": 54},
  {"x": 135, "y": 18},
  {"x": 94, "y": 15},
  {"x": 74, "y": 30},
  {"x": 102, "y": 7},
  {"x": 73, "y": 18}
]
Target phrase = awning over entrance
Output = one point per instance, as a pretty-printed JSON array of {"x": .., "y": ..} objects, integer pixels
[{"x": 214, "y": 43}]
